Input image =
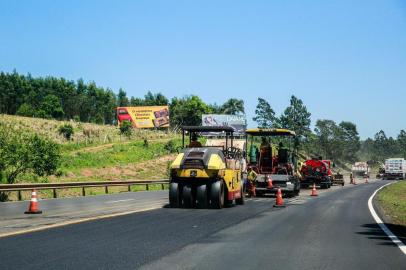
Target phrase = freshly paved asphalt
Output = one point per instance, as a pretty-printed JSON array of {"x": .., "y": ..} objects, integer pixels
[
  {"x": 57, "y": 211},
  {"x": 332, "y": 231}
]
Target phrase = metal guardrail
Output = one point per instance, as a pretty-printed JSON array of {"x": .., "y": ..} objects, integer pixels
[{"x": 83, "y": 185}]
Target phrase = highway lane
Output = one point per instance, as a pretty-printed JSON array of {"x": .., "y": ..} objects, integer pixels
[
  {"x": 63, "y": 210},
  {"x": 332, "y": 231},
  {"x": 72, "y": 210}
]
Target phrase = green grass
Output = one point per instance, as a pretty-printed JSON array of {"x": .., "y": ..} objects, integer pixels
[
  {"x": 393, "y": 201},
  {"x": 115, "y": 155}
]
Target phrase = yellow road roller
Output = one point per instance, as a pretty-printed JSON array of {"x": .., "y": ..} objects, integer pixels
[{"x": 206, "y": 176}]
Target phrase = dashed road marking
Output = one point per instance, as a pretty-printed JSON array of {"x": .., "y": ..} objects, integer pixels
[{"x": 126, "y": 200}]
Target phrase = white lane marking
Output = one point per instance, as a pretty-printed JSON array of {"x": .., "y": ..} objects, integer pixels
[
  {"x": 379, "y": 221},
  {"x": 126, "y": 200}
]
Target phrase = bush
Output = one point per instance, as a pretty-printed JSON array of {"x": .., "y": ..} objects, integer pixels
[
  {"x": 126, "y": 128},
  {"x": 25, "y": 153},
  {"x": 170, "y": 146},
  {"x": 66, "y": 130}
]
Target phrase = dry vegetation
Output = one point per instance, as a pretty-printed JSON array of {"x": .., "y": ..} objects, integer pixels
[{"x": 99, "y": 152}]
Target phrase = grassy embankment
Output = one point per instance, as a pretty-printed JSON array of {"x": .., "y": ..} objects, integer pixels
[
  {"x": 392, "y": 199},
  {"x": 99, "y": 152}
]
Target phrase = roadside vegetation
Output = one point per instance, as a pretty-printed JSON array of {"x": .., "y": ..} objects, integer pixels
[
  {"x": 75, "y": 122},
  {"x": 392, "y": 199}
]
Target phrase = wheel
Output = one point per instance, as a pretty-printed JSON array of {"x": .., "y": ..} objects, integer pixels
[
  {"x": 217, "y": 194},
  {"x": 201, "y": 196},
  {"x": 241, "y": 200},
  {"x": 174, "y": 195},
  {"x": 187, "y": 195}
]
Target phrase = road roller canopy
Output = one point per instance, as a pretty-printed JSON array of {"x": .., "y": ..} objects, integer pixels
[
  {"x": 208, "y": 129},
  {"x": 270, "y": 132}
]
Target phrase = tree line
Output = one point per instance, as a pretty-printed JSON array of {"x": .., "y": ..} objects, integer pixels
[{"x": 62, "y": 99}]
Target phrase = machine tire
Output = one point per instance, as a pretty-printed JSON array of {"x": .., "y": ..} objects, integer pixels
[
  {"x": 187, "y": 196},
  {"x": 241, "y": 200},
  {"x": 174, "y": 195},
  {"x": 217, "y": 194},
  {"x": 202, "y": 196}
]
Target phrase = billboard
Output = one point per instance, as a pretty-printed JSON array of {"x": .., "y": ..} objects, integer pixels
[
  {"x": 144, "y": 116},
  {"x": 237, "y": 122}
]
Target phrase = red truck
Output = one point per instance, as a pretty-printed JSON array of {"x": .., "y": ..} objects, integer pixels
[{"x": 316, "y": 171}]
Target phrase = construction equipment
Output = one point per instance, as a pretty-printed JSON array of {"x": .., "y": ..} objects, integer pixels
[
  {"x": 272, "y": 156},
  {"x": 316, "y": 171},
  {"x": 338, "y": 179},
  {"x": 206, "y": 176},
  {"x": 395, "y": 168},
  {"x": 360, "y": 170}
]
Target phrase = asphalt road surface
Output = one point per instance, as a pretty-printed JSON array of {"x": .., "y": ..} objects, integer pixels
[{"x": 332, "y": 231}]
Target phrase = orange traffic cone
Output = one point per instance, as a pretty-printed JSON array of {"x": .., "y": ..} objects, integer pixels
[
  {"x": 279, "y": 200},
  {"x": 314, "y": 190},
  {"x": 270, "y": 184},
  {"x": 33, "y": 209}
]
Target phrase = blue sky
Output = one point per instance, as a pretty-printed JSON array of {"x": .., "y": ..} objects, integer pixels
[{"x": 345, "y": 59}]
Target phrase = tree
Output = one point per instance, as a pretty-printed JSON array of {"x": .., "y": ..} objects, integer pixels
[
  {"x": 23, "y": 152},
  {"x": 51, "y": 107},
  {"x": 402, "y": 143},
  {"x": 122, "y": 100},
  {"x": 233, "y": 106},
  {"x": 265, "y": 115},
  {"x": 349, "y": 138},
  {"x": 296, "y": 118},
  {"x": 326, "y": 131},
  {"x": 26, "y": 110},
  {"x": 187, "y": 111}
]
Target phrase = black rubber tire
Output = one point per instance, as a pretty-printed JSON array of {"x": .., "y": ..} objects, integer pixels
[
  {"x": 217, "y": 194},
  {"x": 241, "y": 200},
  {"x": 174, "y": 195},
  {"x": 187, "y": 196},
  {"x": 202, "y": 196}
]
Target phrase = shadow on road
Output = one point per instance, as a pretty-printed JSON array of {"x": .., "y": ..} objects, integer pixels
[{"x": 373, "y": 231}]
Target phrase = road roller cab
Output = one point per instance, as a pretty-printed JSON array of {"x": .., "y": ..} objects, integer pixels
[{"x": 206, "y": 176}]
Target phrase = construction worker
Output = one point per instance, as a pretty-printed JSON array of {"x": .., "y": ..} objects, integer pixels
[
  {"x": 264, "y": 145},
  {"x": 194, "y": 142},
  {"x": 253, "y": 154},
  {"x": 251, "y": 177}
]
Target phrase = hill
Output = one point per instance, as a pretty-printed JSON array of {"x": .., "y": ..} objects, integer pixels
[{"x": 100, "y": 152}]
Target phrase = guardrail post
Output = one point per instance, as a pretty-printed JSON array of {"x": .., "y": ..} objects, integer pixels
[
  {"x": 55, "y": 195},
  {"x": 19, "y": 195},
  {"x": 163, "y": 186},
  {"x": 129, "y": 188},
  {"x": 106, "y": 189},
  {"x": 146, "y": 187},
  {"x": 83, "y": 191}
]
